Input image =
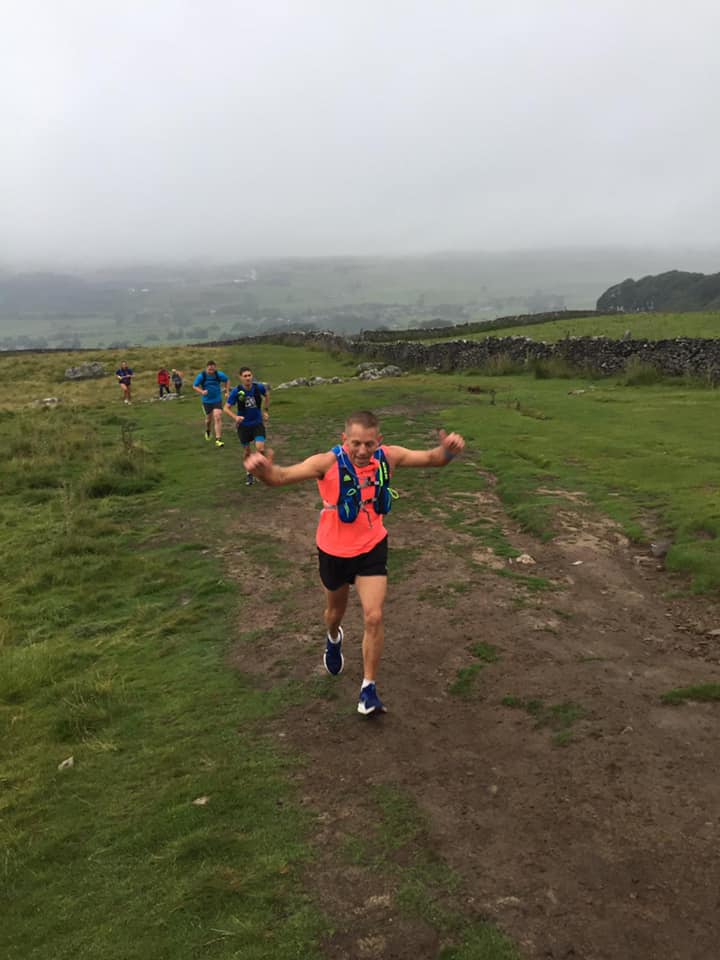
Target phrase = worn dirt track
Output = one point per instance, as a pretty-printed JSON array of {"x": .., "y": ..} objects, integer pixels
[{"x": 605, "y": 848}]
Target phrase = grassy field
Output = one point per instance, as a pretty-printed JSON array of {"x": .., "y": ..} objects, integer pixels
[
  {"x": 161, "y": 836},
  {"x": 642, "y": 326},
  {"x": 164, "y": 839}
]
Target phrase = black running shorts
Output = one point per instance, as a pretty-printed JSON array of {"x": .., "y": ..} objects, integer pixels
[
  {"x": 335, "y": 572},
  {"x": 248, "y": 435}
]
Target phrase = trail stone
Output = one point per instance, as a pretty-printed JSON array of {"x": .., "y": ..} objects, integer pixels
[{"x": 660, "y": 548}]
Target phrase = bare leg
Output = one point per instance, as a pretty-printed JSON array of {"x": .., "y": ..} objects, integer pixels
[
  {"x": 372, "y": 592},
  {"x": 217, "y": 417},
  {"x": 335, "y": 606},
  {"x": 208, "y": 422}
]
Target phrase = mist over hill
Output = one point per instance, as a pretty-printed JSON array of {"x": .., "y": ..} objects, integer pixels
[{"x": 189, "y": 302}]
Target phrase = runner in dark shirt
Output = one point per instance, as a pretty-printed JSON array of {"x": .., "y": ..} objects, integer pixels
[
  {"x": 124, "y": 375},
  {"x": 253, "y": 402}
]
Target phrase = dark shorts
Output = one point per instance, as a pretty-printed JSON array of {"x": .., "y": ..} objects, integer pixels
[
  {"x": 209, "y": 407},
  {"x": 248, "y": 435},
  {"x": 335, "y": 572}
]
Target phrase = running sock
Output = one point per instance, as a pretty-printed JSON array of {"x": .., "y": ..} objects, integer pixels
[{"x": 366, "y": 683}]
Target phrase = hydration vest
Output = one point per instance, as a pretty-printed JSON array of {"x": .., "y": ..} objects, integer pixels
[
  {"x": 255, "y": 392},
  {"x": 350, "y": 501}
]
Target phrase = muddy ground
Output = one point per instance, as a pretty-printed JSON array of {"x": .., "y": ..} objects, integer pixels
[{"x": 598, "y": 841}]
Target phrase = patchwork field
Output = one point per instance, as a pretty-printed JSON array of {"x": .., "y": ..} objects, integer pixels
[{"x": 544, "y": 783}]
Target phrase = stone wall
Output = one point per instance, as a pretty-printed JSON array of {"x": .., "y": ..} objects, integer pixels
[{"x": 593, "y": 354}]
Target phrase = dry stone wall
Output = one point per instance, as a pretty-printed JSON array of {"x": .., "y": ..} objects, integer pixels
[{"x": 675, "y": 357}]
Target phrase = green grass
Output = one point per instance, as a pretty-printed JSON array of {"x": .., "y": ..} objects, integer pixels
[
  {"x": 116, "y": 621},
  {"x": 404, "y": 562},
  {"x": 646, "y": 456},
  {"x": 464, "y": 685},
  {"x": 557, "y": 717},
  {"x": 396, "y": 849},
  {"x": 701, "y": 693}
]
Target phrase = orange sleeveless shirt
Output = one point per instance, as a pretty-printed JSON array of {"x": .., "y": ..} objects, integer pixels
[{"x": 365, "y": 532}]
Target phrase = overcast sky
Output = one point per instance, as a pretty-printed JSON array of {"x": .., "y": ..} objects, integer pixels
[{"x": 139, "y": 129}]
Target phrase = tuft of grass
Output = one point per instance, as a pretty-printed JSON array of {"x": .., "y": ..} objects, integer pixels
[
  {"x": 558, "y": 717},
  {"x": 464, "y": 684},
  {"x": 530, "y": 583},
  {"x": 501, "y": 365},
  {"x": 701, "y": 692},
  {"x": 638, "y": 373},
  {"x": 486, "y": 652},
  {"x": 482, "y": 941},
  {"x": 553, "y": 368}
]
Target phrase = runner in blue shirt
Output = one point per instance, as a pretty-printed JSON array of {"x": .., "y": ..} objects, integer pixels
[
  {"x": 253, "y": 402},
  {"x": 124, "y": 376},
  {"x": 211, "y": 383}
]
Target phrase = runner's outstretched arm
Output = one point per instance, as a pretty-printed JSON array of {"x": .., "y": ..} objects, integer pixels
[
  {"x": 451, "y": 444},
  {"x": 261, "y": 466}
]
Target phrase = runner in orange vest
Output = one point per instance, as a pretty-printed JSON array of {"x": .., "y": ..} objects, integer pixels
[{"x": 353, "y": 480}]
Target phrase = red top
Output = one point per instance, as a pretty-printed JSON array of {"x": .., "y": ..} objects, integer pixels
[{"x": 163, "y": 376}]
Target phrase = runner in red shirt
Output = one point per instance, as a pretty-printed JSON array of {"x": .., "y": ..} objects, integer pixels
[{"x": 163, "y": 379}]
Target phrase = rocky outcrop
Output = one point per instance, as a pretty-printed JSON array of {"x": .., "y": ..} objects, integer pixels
[
  {"x": 366, "y": 371},
  {"x": 92, "y": 370}
]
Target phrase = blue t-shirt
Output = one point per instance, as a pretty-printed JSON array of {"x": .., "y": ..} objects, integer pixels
[
  {"x": 249, "y": 403},
  {"x": 212, "y": 382},
  {"x": 125, "y": 375}
]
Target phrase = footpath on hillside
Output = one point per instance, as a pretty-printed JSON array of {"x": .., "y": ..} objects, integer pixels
[{"x": 527, "y": 771}]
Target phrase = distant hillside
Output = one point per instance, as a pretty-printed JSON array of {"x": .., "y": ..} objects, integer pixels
[{"x": 675, "y": 290}]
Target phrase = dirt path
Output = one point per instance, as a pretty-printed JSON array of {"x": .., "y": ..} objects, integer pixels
[{"x": 605, "y": 847}]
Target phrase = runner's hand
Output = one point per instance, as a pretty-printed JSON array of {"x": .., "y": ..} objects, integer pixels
[
  {"x": 260, "y": 464},
  {"x": 452, "y": 443}
]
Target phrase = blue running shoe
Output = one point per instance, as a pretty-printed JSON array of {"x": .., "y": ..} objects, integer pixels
[
  {"x": 369, "y": 701},
  {"x": 333, "y": 658}
]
